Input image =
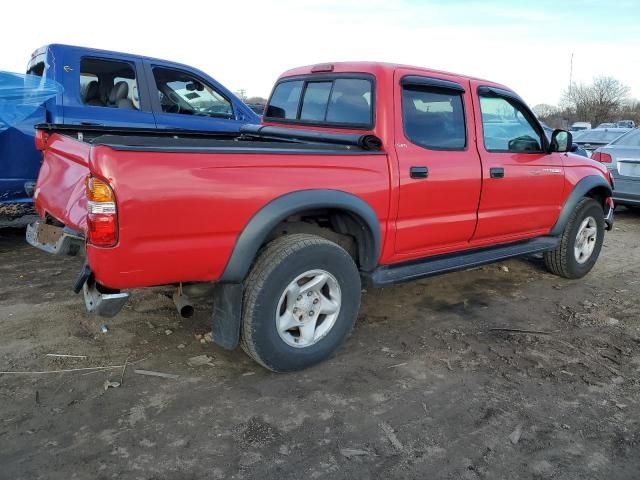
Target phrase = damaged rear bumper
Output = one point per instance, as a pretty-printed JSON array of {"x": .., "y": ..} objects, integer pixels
[{"x": 55, "y": 240}]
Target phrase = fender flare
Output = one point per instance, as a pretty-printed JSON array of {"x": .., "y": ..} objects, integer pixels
[
  {"x": 580, "y": 191},
  {"x": 265, "y": 220}
]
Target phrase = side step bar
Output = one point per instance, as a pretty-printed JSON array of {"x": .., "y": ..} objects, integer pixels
[{"x": 404, "y": 272}]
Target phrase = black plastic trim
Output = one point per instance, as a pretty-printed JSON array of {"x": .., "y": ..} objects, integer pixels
[
  {"x": 419, "y": 172},
  {"x": 582, "y": 188},
  {"x": 84, "y": 275},
  {"x": 431, "y": 82},
  {"x": 436, "y": 265},
  {"x": 265, "y": 220},
  {"x": 367, "y": 142}
]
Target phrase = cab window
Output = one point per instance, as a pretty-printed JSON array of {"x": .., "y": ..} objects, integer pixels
[
  {"x": 184, "y": 94},
  {"x": 325, "y": 100},
  {"x": 506, "y": 126},
  {"x": 433, "y": 118},
  {"x": 108, "y": 83}
]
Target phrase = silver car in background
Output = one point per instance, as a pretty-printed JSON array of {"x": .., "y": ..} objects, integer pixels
[
  {"x": 597, "y": 137},
  {"x": 622, "y": 158}
]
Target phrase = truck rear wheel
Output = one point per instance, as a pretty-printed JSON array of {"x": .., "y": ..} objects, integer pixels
[
  {"x": 300, "y": 303},
  {"x": 580, "y": 243}
]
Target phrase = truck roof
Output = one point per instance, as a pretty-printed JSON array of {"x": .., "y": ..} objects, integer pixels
[
  {"x": 98, "y": 51},
  {"x": 377, "y": 68}
]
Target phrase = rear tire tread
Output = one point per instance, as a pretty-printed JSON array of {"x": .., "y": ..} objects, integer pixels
[{"x": 272, "y": 255}]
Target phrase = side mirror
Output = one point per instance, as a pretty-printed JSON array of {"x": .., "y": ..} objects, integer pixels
[
  {"x": 561, "y": 141},
  {"x": 275, "y": 112}
]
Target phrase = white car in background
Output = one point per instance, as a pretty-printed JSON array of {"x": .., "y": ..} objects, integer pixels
[{"x": 577, "y": 126}]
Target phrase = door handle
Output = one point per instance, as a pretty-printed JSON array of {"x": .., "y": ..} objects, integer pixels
[
  {"x": 496, "y": 172},
  {"x": 91, "y": 124},
  {"x": 419, "y": 172}
]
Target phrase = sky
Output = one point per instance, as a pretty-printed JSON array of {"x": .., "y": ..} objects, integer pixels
[{"x": 247, "y": 44}]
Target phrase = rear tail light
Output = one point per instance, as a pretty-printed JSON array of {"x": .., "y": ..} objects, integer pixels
[
  {"x": 601, "y": 157},
  {"x": 41, "y": 140},
  {"x": 102, "y": 217}
]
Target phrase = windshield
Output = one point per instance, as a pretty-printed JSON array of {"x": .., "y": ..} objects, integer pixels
[
  {"x": 602, "y": 136},
  {"x": 631, "y": 139}
]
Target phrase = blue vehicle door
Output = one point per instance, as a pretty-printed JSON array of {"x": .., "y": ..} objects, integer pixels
[
  {"x": 105, "y": 89},
  {"x": 186, "y": 99}
]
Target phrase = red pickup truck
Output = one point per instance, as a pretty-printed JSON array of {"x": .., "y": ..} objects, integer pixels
[{"x": 361, "y": 173}]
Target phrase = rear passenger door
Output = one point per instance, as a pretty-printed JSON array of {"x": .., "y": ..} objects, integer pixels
[
  {"x": 439, "y": 167},
  {"x": 522, "y": 183},
  {"x": 90, "y": 82},
  {"x": 183, "y": 100}
]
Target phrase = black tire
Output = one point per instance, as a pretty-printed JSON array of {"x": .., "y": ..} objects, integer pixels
[
  {"x": 276, "y": 268},
  {"x": 562, "y": 260}
]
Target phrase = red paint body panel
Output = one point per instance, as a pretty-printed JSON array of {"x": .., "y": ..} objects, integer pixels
[
  {"x": 60, "y": 190},
  {"x": 180, "y": 214},
  {"x": 438, "y": 213}
]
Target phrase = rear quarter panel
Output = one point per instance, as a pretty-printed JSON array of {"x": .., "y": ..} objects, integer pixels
[
  {"x": 180, "y": 214},
  {"x": 60, "y": 190}
]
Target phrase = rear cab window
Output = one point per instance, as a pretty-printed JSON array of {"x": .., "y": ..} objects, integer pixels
[{"x": 340, "y": 100}]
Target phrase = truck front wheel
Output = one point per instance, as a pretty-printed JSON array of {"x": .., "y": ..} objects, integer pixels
[
  {"x": 300, "y": 302},
  {"x": 580, "y": 242}
]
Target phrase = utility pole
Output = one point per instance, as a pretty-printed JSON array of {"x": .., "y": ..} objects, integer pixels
[{"x": 571, "y": 74}]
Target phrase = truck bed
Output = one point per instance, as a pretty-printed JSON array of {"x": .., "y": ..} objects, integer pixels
[{"x": 183, "y": 198}]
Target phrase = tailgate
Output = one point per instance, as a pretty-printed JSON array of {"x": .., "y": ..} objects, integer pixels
[{"x": 60, "y": 190}]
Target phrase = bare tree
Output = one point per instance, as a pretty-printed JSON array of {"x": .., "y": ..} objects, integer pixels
[
  {"x": 544, "y": 110},
  {"x": 599, "y": 102},
  {"x": 256, "y": 100}
]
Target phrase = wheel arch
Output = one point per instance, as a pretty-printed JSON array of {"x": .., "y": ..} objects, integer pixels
[
  {"x": 358, "y": 216},
  {"x": 593, "y": 186}
]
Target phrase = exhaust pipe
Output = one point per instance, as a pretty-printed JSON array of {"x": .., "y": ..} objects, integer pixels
[{"x": 183, "y": 304}]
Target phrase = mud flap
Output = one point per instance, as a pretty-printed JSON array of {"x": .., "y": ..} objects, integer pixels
[{"x": 227, "y": 314}]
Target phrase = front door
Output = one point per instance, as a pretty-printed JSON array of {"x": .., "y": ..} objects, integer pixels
[
  {"x": 439, "y": 166},
  {"x": 522, "y": 183}
]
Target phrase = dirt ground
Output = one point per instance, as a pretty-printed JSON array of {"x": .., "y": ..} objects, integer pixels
[{"x": 427, "y": 387}]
